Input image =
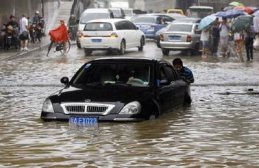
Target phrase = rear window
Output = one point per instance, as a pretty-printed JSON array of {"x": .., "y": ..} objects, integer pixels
[
  {"x": 91, "y": 16},
  {"x": 144, "y": 20},
  {"x": 180, "y": 27},
  {"x": 99, "y": 26}
]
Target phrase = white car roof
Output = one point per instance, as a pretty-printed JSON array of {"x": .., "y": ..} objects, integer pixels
[
  {"x": 107, "y": 20},
  {"x": 96, "y": 10},
  {"x": 201, "y": 7}
]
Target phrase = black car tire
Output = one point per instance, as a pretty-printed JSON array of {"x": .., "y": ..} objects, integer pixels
[
  {"x": 88, "y": 52},
  {"x": 122, "y": 47},
  {"x": 165, "y": 51},
  {"x": 142, "y": 43}
]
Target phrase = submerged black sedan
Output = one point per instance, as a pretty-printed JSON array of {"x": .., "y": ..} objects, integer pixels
[{"x": 117, "y": 89}]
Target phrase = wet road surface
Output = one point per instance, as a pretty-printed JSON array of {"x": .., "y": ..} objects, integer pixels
[{"x": 219, "y": 129}]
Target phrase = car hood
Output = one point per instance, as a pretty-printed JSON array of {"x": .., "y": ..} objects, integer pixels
[{"x": 103, "y": 94}]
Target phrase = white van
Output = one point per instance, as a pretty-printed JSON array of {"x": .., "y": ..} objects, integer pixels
[{"x": 92, "y": 14}]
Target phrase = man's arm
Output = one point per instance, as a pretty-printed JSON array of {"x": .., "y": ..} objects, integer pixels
[{"x": 187, "y": 75}]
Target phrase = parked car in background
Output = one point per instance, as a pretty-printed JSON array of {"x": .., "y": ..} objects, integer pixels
[
  {"x": 151, "y": 23},
  {"x": 118, "y": 13},
  {"x": 117, "y": 89},
  {"x": 91, "y": 14},
  {"x": 177, "y": 17},
  {"x": 179, "y": 11},
  {"x": 111, "y": 34},
  {"x": 181, "y": 36}
]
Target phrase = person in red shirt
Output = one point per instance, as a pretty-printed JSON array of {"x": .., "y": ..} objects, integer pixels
[{"x": 59, "y": 35}]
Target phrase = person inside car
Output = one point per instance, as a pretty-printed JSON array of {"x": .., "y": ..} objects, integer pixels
[{"x": 185, "y": 73}]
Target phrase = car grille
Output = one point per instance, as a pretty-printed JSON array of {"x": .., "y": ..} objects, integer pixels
[{"x": 87, "y": 108}]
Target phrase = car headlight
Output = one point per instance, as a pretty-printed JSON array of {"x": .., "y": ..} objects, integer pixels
[
  {"x": 131, "y": 108},
  {"x": 47, "y": 106}
]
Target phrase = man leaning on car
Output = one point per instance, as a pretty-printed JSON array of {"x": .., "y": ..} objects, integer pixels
[{"x": 185, "y": 73}]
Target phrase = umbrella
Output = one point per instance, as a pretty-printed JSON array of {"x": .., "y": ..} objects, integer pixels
[
  {"x": 228, "y": 8},
  {"x": 207, "y": 21},
  {"x": 234, "y": 3},
  {"x": 229, "y": 13},
  {"x": 244, "y": 9},
  {"x": 242, "y": 22}
]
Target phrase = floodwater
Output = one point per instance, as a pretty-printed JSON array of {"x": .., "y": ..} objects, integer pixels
[{"x": 219, "y": 129}]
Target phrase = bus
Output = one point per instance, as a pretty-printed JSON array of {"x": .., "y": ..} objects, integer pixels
[{"x": 199, "y": 11}]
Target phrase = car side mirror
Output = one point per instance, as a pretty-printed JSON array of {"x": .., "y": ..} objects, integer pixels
[{"x": 65, "y": 81}]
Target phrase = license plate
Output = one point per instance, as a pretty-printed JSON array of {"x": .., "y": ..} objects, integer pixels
[
  {"x": 83, "y": 121},
  {"x": 96, "y": 40},
  {"x": 174, "y": 37}
]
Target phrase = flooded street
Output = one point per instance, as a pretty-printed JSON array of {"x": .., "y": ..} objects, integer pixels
[{"x": 219, "y": 129}]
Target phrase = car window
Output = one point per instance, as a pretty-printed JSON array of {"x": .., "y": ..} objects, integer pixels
[
  {"x": 114, "y": 74},
  {"x": 168, "y": 19},
  {"x": 98, "y": 26},
  {"x": 180, "y": 27},
  {"x": 131, "y": 25},
  {"x": 125, "y": 25}
]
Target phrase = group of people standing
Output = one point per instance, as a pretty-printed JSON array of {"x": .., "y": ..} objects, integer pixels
[
  {"x": 20, "y": 29},
  {"x": 225, "y": 42}
]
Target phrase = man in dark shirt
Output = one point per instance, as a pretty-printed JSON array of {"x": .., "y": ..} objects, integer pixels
[
  {"x": 185, "y": 73},
  {"x": 12, "y": 22}
]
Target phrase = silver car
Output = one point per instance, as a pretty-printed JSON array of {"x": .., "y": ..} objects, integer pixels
[{"x": 181, "y": 36}]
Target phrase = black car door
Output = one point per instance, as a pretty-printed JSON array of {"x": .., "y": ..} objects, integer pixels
[{"x": 171, "y": 88}]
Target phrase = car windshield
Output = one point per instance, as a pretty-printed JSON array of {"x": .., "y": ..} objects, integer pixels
[
  {"x": 180, "y": 27},
  {"x": 145, "y": 19},
  {"x": 98, "y": 26},
  {"x": 91, "y": 16},
  {"x": 124, "y": 74}
]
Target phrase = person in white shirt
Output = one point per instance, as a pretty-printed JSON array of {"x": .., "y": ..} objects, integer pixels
[
  {"x": 205, "y": 34},
  {"x": 239, "y": 44},
  {"x": 223, "y": 35},
  {"x": 24, "y": 33}
]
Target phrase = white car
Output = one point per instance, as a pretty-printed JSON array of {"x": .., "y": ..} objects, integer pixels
[
  {"x": 111, "y": 34},
  {"x": 91, "y": 14}
]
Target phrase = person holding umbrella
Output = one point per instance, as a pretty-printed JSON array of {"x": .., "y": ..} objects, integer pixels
[
  {"x": 223, "y": 42},
  {"x": 205, "y": 34},
  {"x": 249, "y": 40},
  {"x": 239, "y": 44}
]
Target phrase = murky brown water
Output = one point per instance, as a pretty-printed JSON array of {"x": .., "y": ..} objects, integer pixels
[{"x": 219, "y": 129}]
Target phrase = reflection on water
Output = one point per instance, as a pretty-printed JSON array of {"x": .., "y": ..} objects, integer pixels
[{"x": 219, "y": 129}]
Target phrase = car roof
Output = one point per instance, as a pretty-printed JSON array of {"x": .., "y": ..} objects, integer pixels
[
  {"x": 201, "y": 7},
  {"x": 188, "y": 20},
  {"x": 147, "y": 15},
  {"x": 111, "y": 20},
  {"x": 183, "y": 23},
  {"x": 96, "y": 10},
  {"x": 137, "y": 59}
]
